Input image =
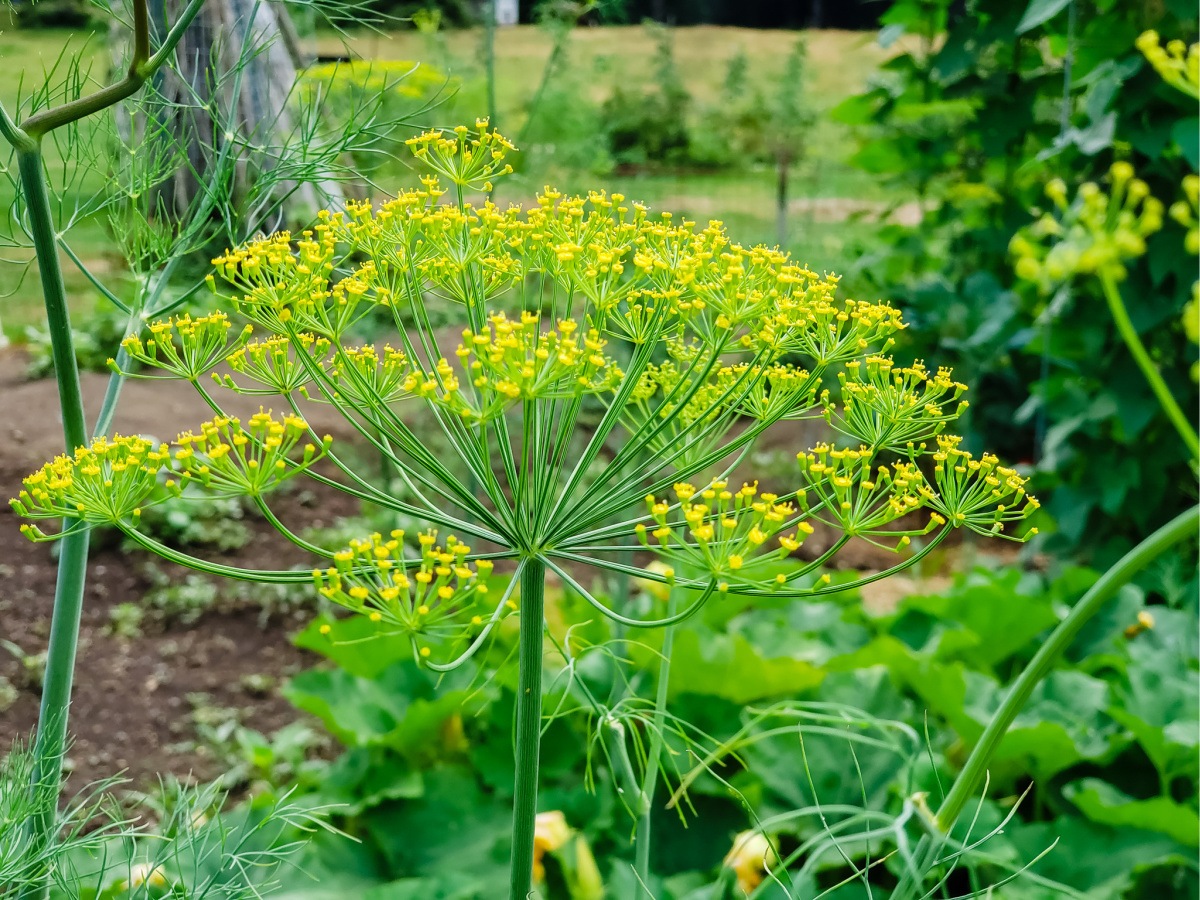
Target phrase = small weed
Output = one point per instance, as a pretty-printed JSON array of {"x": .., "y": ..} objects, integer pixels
[
  {"x": 33, "y": 665},
  {"x": 183, "y": 603},
  {"x": 8, "y": 694},
  {"x": 188, "y": 521},
  {"x": 125, "y": 620},
  {"x": 257, "y": 684}
]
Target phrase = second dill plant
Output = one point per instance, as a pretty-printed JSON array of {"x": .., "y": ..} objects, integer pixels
[{"x": 688, "y": 345}]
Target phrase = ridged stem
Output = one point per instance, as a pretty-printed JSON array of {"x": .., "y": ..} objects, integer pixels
[
  {"x": 1178, "y": 529},
  {"x": 72, "y": 563},
  {"x": 529, "y": 725}
]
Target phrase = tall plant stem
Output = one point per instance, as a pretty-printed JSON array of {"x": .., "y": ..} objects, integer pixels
[
  {"x": 72, "y": 563},
  {"x": 964, "y": 787},
  {"x": 1129, "y": 334},
  {"x": 529, "y": 725},
  {"x": 26, "y": 140},
  {"x": 650, "y": 781}
]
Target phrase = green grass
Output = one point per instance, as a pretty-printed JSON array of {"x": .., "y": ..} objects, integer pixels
[
  {"x": 28, "y": 58},
  {"x": 840, "y": 64}
]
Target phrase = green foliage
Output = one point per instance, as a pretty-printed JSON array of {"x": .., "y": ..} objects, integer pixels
[
  {"x": 55, "y": 14},
  {"x": 752, "y": 123},
  {"x": 198, "y": 521},
  {"x": 125, "y": 620},
  {"x": 804, "y": 719},
  {"x": 971, "y": 119},
  {"x": 398, "y": 93}
]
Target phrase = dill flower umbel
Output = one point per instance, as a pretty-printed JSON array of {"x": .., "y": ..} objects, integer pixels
[
  {"x": 1094, "y": 234},
  {"x": 613, "y": 366}
]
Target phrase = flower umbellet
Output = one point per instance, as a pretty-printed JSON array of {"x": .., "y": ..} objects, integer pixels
[{"x": 612, "y": 368}]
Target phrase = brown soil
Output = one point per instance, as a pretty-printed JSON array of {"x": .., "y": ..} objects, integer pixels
[{"x": 131, "y": 711}]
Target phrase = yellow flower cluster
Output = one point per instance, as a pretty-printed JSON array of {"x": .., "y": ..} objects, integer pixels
[
  {"x": 429, "y": 597},
  {"x": 979, "y": 494},
  {"x": 850, "y": 493},
  {"x": 1177, "y": 63},
  {"x": 515, "y": 360},
  {"x": 111, "y": 480},
  {"x": 825, "y": 331},
  {"x": 886, "y": 406},
  {"x": 102, "y": 484},
  {"x": 273, "y": 364},
  {"x": 232, "y": 460},
  {"x": 719, "y": 531},
  {"x": 365, "y": 375},
  {"x": 469, "y": 159},
  {"x": 1184, "y": 212},
  {"x": 770, "y": 393},
  {"x": 403, "y": 78},
  {"x": 289, "y": 292},
  {"x": 1095, "y": 234},
  {"x": 186, "y": 347}
]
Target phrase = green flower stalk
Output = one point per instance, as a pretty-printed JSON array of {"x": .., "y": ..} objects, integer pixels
[{"x": 678, "y": 348}]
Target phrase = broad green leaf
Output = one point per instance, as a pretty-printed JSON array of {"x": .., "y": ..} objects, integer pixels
[
  {"x": 730, "y": 666},
  {"x": 1097, "y": 859},
  {"x": 1103, "y": 803},
  {"x": 1040, "y": 11},
  {"x": 454, "y": 834},
  {"x": 355, "y": 645},
  {"x": 400, "y": 709},
  {"x": 857, "y": 761},
  {"x": 364, "y": 777},
  {"x": 998, "y": 616},
  {"x": 1187, "y": 135}
]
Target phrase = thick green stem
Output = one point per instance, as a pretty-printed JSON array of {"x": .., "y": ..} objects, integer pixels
[
  {"x": 972, "y": 775},
  {"x": 1129, "y": 334},
  {"x": 51, "y": 739},
  {"x": 650, "y": 781},
  {"x": 72, "y": 564},
  {"x": 529, "y": 725}
]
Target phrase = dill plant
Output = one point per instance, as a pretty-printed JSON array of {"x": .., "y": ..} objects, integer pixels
[{"x": 613, "y": 369}]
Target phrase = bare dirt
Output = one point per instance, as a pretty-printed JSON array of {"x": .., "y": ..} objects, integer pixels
[{"x": 131, "y": 711}]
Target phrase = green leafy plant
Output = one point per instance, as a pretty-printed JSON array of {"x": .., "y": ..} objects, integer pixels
[
  {"x": 692, "y": 345},
  {"x": 986, "y": 104}
]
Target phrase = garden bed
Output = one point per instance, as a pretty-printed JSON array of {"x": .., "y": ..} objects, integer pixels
[{"x": 137, "y": 697}]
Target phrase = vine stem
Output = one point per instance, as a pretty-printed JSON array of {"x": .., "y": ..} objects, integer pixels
[
  {"x": 529, "y": 725},
  {"x": 650, "y": 779},
  {"x": 973, "y": 773},
  {"x": 1129, "y": 334}
]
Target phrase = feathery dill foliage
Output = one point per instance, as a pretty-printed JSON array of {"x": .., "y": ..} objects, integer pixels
[{"x": 614, "y": 367}]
